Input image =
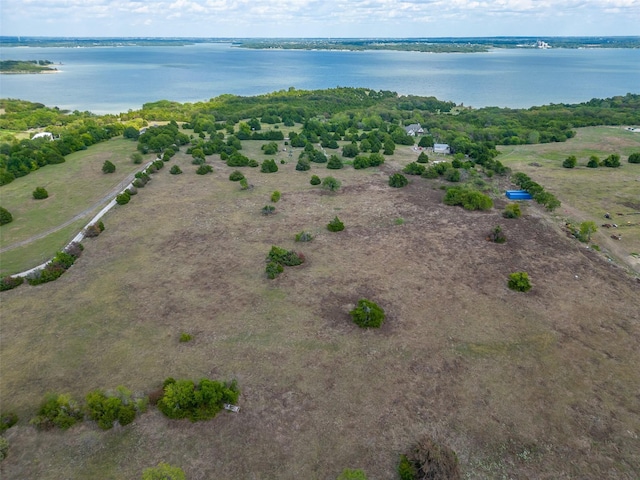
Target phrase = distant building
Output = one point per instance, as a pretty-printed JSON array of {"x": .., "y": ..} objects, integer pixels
[
  {"x": 441, "y": 148},
  {"x": 414, "y": 129},
  {"x": 47, "y": 135}
]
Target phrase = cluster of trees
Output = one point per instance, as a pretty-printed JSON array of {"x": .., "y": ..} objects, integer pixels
[
  {"x": 157, "y": 139},
  {"x": 536, "y": 190}
]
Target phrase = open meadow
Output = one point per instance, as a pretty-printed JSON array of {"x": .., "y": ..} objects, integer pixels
[{"x": 537, "y": 385}]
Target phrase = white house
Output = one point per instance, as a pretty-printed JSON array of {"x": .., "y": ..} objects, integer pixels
[
  {"x": 47, "y": 135},
  {"x": 414, "y": 129},
  {"x": 441, "y": 148}
]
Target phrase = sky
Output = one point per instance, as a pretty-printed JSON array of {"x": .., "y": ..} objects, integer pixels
[{"x": 319, "y": 18}]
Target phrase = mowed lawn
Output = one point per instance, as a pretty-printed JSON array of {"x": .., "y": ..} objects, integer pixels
[
  {"x": 589, "y": 193},
  {"x": 535, "y": 385},
  {"x": 77, "y": 190}
]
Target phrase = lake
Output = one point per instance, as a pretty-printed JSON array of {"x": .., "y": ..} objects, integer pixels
[{"x": 116, "y": 79}]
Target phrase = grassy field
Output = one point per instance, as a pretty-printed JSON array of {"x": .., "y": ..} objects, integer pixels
[
  {"x": 77, "y": 191},
  {"x": 539, "y": 385}
]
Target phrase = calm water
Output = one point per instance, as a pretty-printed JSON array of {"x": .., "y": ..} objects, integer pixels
[{"x": 116, "y": 79}]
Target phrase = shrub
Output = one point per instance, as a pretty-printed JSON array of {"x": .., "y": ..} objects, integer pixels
[
  {"x": 360, "y": 162},
  {"x": 414, "y": 169},
  {"x": 288, "y": 258},
  {"x": 497, "y": 235},
  {"x": 175, "y": 170},
  {"x": 201, "y": 401},
  {"x": 163, "y": 471},
  {"x": 430, "y": 172},
  {"x": 612, "y": 161},
  {"x": 57, "y": 411},
  {"x": 40, "y": 193},
  {"x": 349, "y": 474},
  {"x": 434, "y": 461},
  {"x": 303, "y": 237},
  {"x": 5, "y": 216},
  {"x": 185, "y": 337},
  {"x": 423, "y": 158},
  {"x": 468, "y": 199},
  {"x": 519, "y": 281},
  {"x": 335, "y": 225},
  {"x": 275, "y": 196},
  {"x": 198, "y": 161},
  {"x": 244, "y": 185},
  {"x": 4, "y": 448},
  {"x": 269, "y": 166},
  {"x": 334, "y": 163},
  {"x": 270, "y": 148},
  {"x": 268, "y": 210},
  {"x": 570, "y": 162},
  {"x": 132, "y": 190},
  {"x": 7, "y": 420},
  {"x": 108, "y": 167},
  {"x": 123, "y": 198},
  {"x": 252, "y": 163},
  {"x": 512, "y": 211},
  {"x": 367, "y": 314},
  {"x": 236, "y": 176},
  {"x": 634, "y": 158},
  {"x": 92, "y": 231},
  {"x": 331, "y": 184},
  {"x": 586, "y": 230},
  {"x": 8, "y": 283},
  {"x": 397, "y": 180},
  {"x": 452, "y": 175},
  {"x": 75, "y": 249},
  {"x": 406, "y": 469},
  {"x": 594, "y": 162},
  {"x": 274, "y": 269},
  {"x": 107, "y": 408},
  {"x": 204, "y": 169},
  {"x": 303, "y": 165},
  {"x": 315, "y": 180},
  {"x": 136, "y": 158}
]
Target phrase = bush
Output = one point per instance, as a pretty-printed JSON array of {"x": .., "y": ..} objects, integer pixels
[
  {"x": 570, "y": 162},
  {"x": 185, "y": 337},
  {"x": 406, "y": 469},
  {"x": 108, "y": 167},
  {"x": 56, "y": 267},
  {"x": 244, "y": 185},
  {"x": 270, "y": 148},
  {"x": 414, "y": 169},
  {"x": 434, "y": 461},
  {"x": 92, "y": 231},
  {"x": 519, "y": 281},
  {"x": 268, "y": 210},
  {"x": 236, "y": 176},
  {"x": 360, "y": 162},
  {"x": 594, "y": 162},
  {"x": 201, "y": 401},
  {"x": 57, "y": 411},
  {"x": 163, "y": 471},
  {"x": 430, "y": 172},
  {"x": 331, "y": 184},
  {"x": 5, "y": 216},
  {"x": 40, "y": 193},
  {"x": 107, "y": 408},
  {"x": 349, "y": 474},
  {"x": 497, "y": 235},
  {"x": 4, "y": 448},
  {"x": 287, "y": 258},
  {"x": 334, "y": 163},
  {"x": 7, "y": 420},
  {"x": 136, "y": 158},
  {"x": 175, "y": 170},
  {"x": 315, "y": 180},
  {"x": 335, "y": 225},
  {"x": 303, "y": 165},
  {"x": 634, "y": 158},
  {"x": 274, "y": 269},
  {"x": 275, "y": 196},
  {"x": 452, "y": 174},
  {"x": 512, "y": 211},
  {"x": 132, "y": 191},
  {"x": 204, "y": 169},
  {"x": 397, "y": 180},
  {"x": 8, "y": 283},
  {"x": 367, "y": 314},
  {"x": 468, "y": 199},
  {"x": 423, "y": 158},
  {"x": 612, "y": 161},
  {"x": 123, "y": 198},
  {"x": 269, "y": 166},
  {"x": 303, "y": 237}
]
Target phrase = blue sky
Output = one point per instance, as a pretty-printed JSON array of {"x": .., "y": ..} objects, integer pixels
[{"x": 319, "y": 18}]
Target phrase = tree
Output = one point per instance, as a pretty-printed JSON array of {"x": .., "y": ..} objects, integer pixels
[
  {"x": 108, "y": 167},
  {"x": 414, "y": 168},
  {"x": 350, "y": 150},
  {"x": 426, "y": 141},
  {"x": 315, "y": 180},
  {"x": 397, "y": 180},
  {"x": 40, "y": 193},
  {"x": 519, "y": 281},
  {"x": 269, "y": 166},
  {"x": 349, "y": 474},
  {"x": 163, "y": 471},
  {"x": 423, "y": 158},
  {"x": 367, "y": 314},
  {"x": 123, "y": 198},
  {"x": 331, "y": 184},
  {"x": 612, "y": 161},
  {"x": 570, "y": 162},
  {"x": 175, "y": 170},
  {"x": 586, "y": 229},
  {"x": 5, "y": 216},
  {"x": 594, "y": 162},
  {"x": 303, "y": 165},
  {"x": 512, "y": 211},
  {"x": 131, "y": 132},
  {"x": 334, "y": 163},
  {"x": 136, "y": 158},
  {"x": 634, "y": 158},
  {"x": 270, "y": 148},
  {"x": 335, "y": 225}
]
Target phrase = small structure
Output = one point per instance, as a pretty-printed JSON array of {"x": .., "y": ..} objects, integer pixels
[
  {"x": 231, "y": 408},
  {"x": 518, "y": 195},
  {"x": 414, "y": 129},
  {"x": 47, "y": 135},
  {"x": 441, "y": 148}
]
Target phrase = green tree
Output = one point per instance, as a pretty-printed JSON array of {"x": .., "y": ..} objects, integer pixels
[
  {"x": 163, "y": 471},
  {"x": 426, "y": 141},
  {"x": 612, "y": 161},
  {"x": 303, "y": 165},
  {"x": 634, "y": 158},
  {"x": 175, "y": 170},
  {"x": 570, "y": 162},
  {"x": 335, "y": 225},
  {"x": 406, "y": 469},
  {"x": 136, "y": 158},
  {"x": 519, "y": 281},
  {"x": 40, "y": 193},
  {"x": 350, "y": 150},
  {"x": 331, "y": 184},
  {"x": 315, "y": 180},
  {"x": 414, "y": 168},
  {"x": 512, "y": 211},
  {"x": 367, "y": 314},
  {"x": 349, "y": 474},
  {"x": 586, "y": 230},
  {"x": 397, "y": 180},
  {"x": 269, "y": 166},
  {"x": 275, "y": 196},
  {"x": 334, "y": 163},
  {"x": 270, "y": 148},
  {"x": 423, "y": 158},
  {"x": 5, "y": 216},
  {"x": 594, "y": 162},
  {"x": 123, "y": 198}
]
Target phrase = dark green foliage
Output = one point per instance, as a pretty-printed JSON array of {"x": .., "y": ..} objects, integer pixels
[
  {"x": 101, "y": 225},
  {"x": 452, "y": 175},
  {"x": 159, "y": 138},
  {"x": 287, "y": 258},
  {"x": 140, "y": 183},
  {"x": 570, "y": 162},
  {"x": 252, "y": 163},
  {"x": 303, "y": 237},
  {"x": 406, "y": 469},
  {"x": 236, "y": 159},
  {"x": 512, "y": 211},
  {"x": 361, "y": 162},
  {"x": 57, "y": 411},
  {"x": 175, "y": 170},
  {"x": 376, "y": 159},
  {"x": 268, "y": 210},
  {"x": 612, "y": 161},
  {"x": 335, "y": 225},
  {"x": 497, "y": 235},
  {"x": 204, "y": 169},
  {"x": 123, "y": 198},
  {"x": 423, "y": 158},
  {"x": 185, "y": 337},
  {"x": 236, "y": 176},
  {"x": 468, "y": 199},
  {"x": 136, "y": 158},
  {"x": 426, "y": 141},
  {"x": 303, "y": 165},
  {"x": 5, "y": 216},
  {"x": 350, "y": 150},
  {"x": 244, "y": 185},
  {"x": 201, "y": 401},
  {"x": 131, "y": 132},
  {"x": 269, "y": 166},
  {"x": 334, "y": 163},
  {"x": 315, "y": 180},
  {"x": 430, "y": 172},
  {"x": 270, "y": 148},
  {"x": 7, "y": 420},
  {"x": 158, "y": 164},
  {"x": 274, "y": 269},
  {"x": 275, "y": 196},
  {"x": 634, "y": 158},
  {"x": 367, "y": 314},
  {"x": 397, "y": 180},
  {"x": 57, "y": 266},
  {"x": 108, "y": 167},
  {"x": 40, "y": 193},
  {"x": 537, "y": 191},
  {"x": 519, "y": 281},
  {"x": 594, "y": 162},
  {"x": 8, "y": 283},
  {"x": 414, "y": 169},
  {"x": 331, "y": 184},
  {"x": 107, "y": 408}
]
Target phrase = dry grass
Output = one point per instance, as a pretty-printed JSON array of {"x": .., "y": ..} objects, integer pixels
[{"x": 536, "y": 385}]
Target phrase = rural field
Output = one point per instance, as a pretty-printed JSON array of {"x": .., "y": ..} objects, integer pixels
[{"x": 536, "y": 385}]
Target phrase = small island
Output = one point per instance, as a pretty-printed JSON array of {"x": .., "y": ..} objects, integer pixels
[{"x": 26, "y": 66}]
